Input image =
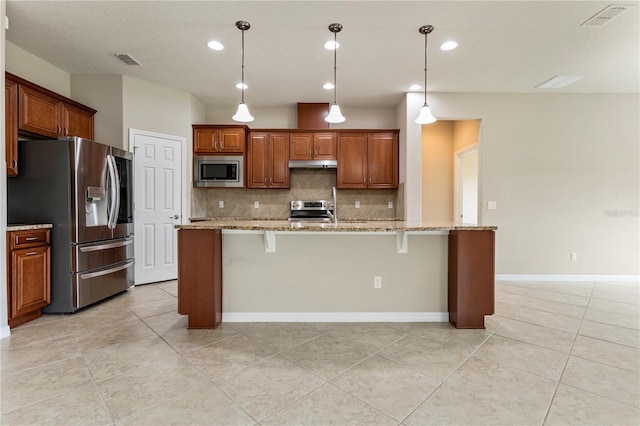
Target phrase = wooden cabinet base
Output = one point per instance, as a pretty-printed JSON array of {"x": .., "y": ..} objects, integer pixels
[
  {"x": 19, "y": 320},
  {"x": 200, "y": 277},
  {"x": 471, "y": 277}
]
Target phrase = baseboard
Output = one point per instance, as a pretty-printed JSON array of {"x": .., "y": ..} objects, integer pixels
[
  {"x": 335, "y": 317},
  {"x": 595, "y": 278},
  {"x": 5, "y": 331}
]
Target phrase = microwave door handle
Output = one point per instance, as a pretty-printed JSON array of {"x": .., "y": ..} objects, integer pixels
[{"x": 112, "y": 181}]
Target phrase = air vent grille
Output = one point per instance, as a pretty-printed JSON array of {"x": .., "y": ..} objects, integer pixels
[
  {"x": 127, "y": 59},
  {"x": 606, "y": 15}
]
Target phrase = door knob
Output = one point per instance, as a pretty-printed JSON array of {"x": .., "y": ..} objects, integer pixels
[{"x": 175, "y": 216}]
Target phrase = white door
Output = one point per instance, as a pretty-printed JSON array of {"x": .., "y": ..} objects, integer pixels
[
  {"x": 157, "y": 204},
  {"x": 466, "y": 186}
]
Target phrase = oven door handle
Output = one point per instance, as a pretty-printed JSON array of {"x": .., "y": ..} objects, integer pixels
[
  {"x": 106, "y": 246},
  {"x": 106, "y": 271}
]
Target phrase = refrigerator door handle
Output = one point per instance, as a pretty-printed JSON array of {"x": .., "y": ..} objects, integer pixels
[
  {"x": 114, "y": 190},
  {"x": 106, "y": 271},
  {"x": 106, "y": 246}
]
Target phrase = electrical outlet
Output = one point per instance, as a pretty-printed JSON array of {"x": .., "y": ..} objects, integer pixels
[
  {"x": 377, "y": 281},
  {"x": 390, "y": 205},
  {"x": 491, "y": 205},
  {"x": 357, "y": 204},
  {"x": 574, "y": 256},
  {"x": 221, "y": 204},
  {"x": 256, "y": 204}
]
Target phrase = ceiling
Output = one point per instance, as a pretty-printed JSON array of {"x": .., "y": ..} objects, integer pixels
[{"x": 504, "y": 47}]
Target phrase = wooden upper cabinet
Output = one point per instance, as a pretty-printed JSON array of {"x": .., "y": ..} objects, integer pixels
[
  {"x": 47, "y": 114},
  {"x": 368, "y": 160},
  {"x": 382, "y": 160},
  {"x": 352, "y": 161},
  {"x": 324, "y": 145},
  {"x": 313, "y": 146},
  {"x": 76, "y": 122},
  {"x": 39, "y": 113},
  {"x": 218, "y": 139},
  {"x": 268, "y": 160},
  {"x": 11, "y": 126}
]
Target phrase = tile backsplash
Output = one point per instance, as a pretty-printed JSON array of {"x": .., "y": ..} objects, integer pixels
[{"x": 305, "y": 185}]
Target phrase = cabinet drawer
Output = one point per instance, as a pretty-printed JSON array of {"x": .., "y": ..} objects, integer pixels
[{"x": 30, "y": 238}]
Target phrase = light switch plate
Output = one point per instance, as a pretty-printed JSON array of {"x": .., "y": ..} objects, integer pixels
[
  {"x": 221, "y": 204},
  {"x": 491, "y": 205},
  {"x": 256, "y": 204}
]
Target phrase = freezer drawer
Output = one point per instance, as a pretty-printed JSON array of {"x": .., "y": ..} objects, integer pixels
[
  {"x": 101, "y": 254},
  {"x": 94, "y": 285}
]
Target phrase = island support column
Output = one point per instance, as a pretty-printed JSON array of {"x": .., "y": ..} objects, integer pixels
[
  {"x": 200, "y": 276},
  {"x": 471, "y": 277}
]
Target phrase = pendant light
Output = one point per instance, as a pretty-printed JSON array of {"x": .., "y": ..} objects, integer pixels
[
  {"x": 335, "y": 116},
  {"x": 425, "y": 116},
  {"x": 243, "y": 114}
]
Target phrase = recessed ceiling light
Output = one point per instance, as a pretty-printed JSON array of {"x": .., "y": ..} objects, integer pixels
[
  {"x": 414, "y": 87},
  {"x": 559, "y": 81},
  {"x": 328, "y": 86},
  {"x": 242, "y": 86},
  {"x": 448, "y": 45},
  {"x": 215, "y": 45},
  {"x": 331, "y": 45}
]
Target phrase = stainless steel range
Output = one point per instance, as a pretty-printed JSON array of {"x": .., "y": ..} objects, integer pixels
[{"x": 312, "y": 211}]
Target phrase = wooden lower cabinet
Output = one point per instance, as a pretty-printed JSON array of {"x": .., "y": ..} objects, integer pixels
[
  {"x": 471, "y": 277},
  {"x": 200, "y": 276},
  {"x": 28, "y": 274}
]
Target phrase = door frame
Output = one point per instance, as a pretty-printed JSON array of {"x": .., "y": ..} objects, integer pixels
[
  {"x": 457, "y": 183},
  {"x": 185, "y": 206}
]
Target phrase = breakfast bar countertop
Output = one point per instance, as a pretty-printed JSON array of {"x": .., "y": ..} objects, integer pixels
[{"x": 341, "y": 226}]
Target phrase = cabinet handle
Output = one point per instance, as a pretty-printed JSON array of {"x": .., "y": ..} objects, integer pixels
[
  {"x": 58, "y": 129},
  {"x": 14, "y": 164},
  {"x": 309, "y": 153},
  {"x": 31, "y": 253},
  {"x": 31, "y": 238},
  {"x": 65, "y": 131}
]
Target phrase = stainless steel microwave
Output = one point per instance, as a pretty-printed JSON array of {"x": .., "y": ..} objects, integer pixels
[{"x": 218, "y": 171}]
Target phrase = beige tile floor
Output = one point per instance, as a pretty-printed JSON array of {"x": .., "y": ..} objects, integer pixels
[{"x": 554, "y": 353}]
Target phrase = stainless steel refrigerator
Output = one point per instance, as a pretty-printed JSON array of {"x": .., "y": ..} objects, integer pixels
[{"x": 85, "y": 189}]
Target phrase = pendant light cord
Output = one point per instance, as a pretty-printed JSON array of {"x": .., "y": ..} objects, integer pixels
[
  {"x": 243, "y": 67},
  {"x": 335, "y": 67},
  {"x": 425, "y": 70}
]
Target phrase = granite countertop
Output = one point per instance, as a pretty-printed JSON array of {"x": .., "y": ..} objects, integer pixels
[
  {"x": 21, "y": 227},
  {"x": 341, "y": 226}
]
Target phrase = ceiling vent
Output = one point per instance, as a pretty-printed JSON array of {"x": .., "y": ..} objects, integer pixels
[
  {"x": 606, "y": 15},
  {"x": 127, "y": 59}
]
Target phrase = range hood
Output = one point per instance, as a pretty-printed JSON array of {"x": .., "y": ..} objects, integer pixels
[{"x": 313, "y": 164}]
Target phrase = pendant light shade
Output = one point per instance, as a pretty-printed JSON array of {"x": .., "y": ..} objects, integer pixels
[
  {"x": 335, "y": 116},
  {"x": 425, "y": 117},
  {"x": 243, "y": 115}
]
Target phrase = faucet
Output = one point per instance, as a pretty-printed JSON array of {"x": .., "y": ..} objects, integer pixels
[{"x": 334, "y": 215}]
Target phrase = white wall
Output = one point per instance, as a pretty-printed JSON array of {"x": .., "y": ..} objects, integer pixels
[
  {"x": 104, "y": 93},
  {"x": 285, "y": 117},
  {"x": 36, "y": 70},
  {"x": 563, "y": 170},
  {"x": 4, "y": 323}
]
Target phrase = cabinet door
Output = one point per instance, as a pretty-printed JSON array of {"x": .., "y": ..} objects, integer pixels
[
  {"x": 204, "y": 140},
  {"x": 382, "y": 165},
  {"x": 279, "y": 161},
  {"x": 30, "y": 280},
  {"x": 257, "y": 156},
  {"x": 324, "y": 145},
  {"x": 352, "y": 160},
  {"x": 39, "y": 113},
  {"x": 300, "y": 146},
  {"x": 76, "y": 122},
  {"x": 231, "y": 140},
  {"x": 11, "y": 126}
]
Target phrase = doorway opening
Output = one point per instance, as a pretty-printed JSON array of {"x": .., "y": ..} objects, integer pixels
[{"x": 450, "y": 172}]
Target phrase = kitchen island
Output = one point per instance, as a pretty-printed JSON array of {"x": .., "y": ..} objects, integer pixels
[{"x": 276, "y": 270}]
